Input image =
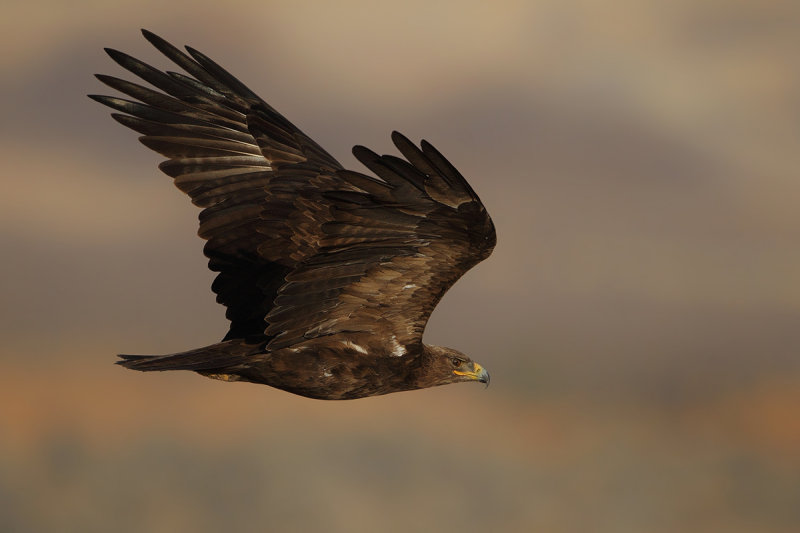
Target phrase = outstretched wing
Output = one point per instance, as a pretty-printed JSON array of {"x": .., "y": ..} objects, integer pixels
[
  {"x": 223, "y": 144},
  {"x": 395, "y": 247},
  {"x": 304, "y": 248}
]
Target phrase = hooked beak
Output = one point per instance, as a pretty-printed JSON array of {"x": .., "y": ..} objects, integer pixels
[{"x": 478, "y": 373}]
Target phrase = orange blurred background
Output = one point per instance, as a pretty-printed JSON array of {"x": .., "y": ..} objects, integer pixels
[{"x": 640, "y": 315}]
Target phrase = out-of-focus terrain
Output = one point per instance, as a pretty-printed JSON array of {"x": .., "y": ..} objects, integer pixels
[{"x": 639, "y": 315}]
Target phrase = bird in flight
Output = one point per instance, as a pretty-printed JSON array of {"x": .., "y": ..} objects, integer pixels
[{"x": 328, "y": 275}]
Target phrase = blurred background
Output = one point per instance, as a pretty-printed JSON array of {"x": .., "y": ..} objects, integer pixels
[{"x": 640, "y": 315}]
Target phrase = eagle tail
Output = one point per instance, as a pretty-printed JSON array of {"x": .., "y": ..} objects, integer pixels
[{"x": 218, "y": 357}]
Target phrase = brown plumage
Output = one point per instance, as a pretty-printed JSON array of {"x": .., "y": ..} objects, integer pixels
[{"x": 328, "y": 275}]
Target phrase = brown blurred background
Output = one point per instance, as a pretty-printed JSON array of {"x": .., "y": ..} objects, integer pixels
[{"x": 639, "y": 315}]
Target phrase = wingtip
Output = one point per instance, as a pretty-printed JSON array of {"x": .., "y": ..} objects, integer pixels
[
  {"x": 398, "y": 138},
  {"x": 404, "y": 144},
  {"x": 103, "y": 78},
  {"x": 196, "y": 54},
  {"x": 150, "y": 36},
  {"x": 120, "y": 58},
  {"x": 364, "y": 154},
  {"x": 205, "y": 61}
]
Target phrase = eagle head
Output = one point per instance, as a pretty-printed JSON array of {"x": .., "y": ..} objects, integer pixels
[{"x": 446, "y": 365}]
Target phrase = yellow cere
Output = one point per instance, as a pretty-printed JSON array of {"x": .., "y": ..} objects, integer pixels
[{"x": 473, "y": 374}]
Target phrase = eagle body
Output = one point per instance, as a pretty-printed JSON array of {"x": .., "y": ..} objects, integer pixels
[
  {"x": 342, "y": 371},
  {"x": 328, "y": 275}
]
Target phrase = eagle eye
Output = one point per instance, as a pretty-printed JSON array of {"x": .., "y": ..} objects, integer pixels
[{"x": 457, "y": 362}]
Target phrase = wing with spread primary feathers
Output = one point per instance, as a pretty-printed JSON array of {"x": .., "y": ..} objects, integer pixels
[
  {"x": 304, "y": 248},
  {"x": 396, "y": 246}
]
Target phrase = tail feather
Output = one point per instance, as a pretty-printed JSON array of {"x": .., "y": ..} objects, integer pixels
[{"x": 220, "y": 356}]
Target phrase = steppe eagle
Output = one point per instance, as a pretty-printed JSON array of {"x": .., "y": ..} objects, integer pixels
[{"x": 328, "y": 275}]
